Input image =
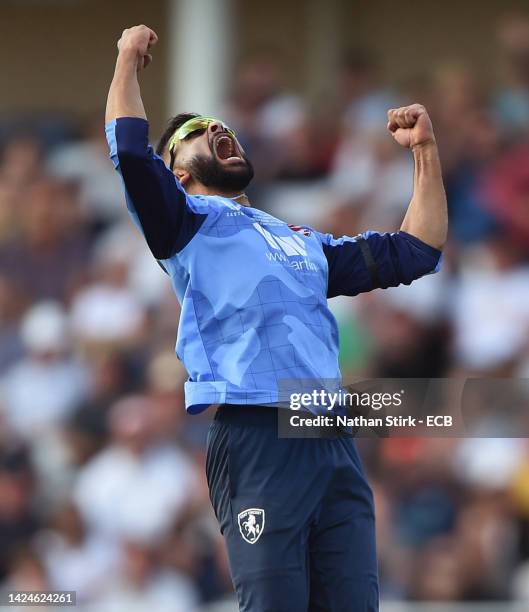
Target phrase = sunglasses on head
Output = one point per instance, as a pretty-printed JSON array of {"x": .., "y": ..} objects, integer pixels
[{"x": 195, "y": 124}]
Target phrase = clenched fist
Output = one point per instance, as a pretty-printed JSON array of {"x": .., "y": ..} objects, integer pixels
[
  {"x": 139, "y": 40},
  {"x": 410, "y": 126}
]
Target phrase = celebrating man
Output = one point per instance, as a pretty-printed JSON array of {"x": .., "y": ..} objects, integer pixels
[{"x": 297, "y": 514}]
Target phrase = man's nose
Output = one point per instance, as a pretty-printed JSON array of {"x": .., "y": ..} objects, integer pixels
[{"x": 215, "y": 127}]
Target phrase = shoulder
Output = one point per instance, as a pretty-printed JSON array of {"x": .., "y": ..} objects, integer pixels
[{"x": 210, "y": 204}]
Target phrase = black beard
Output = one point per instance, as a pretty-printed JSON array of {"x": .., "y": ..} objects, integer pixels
[{"x": 211, "y": 173}]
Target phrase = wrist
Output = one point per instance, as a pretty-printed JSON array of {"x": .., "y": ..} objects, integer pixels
[
  {"x": 128, "y": 56},
  {"x": 424, "y": 147}
]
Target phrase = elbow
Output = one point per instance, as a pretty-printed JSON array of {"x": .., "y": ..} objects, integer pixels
[
  {"x": 434, "y": 236},
  {"x": 439, "y": 245},
  {"x": 160, "y": 251},
  {"x": 433, "y": 240},
  {"x": 423, "y": 262},
  {"x": 439, "y": 241},
  {"x": 428, "y": 265}
]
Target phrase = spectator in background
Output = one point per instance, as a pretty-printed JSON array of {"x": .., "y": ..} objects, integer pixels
[
  {"x": 484, "y": 181},
  {"x": 21, "y": 160},
  {"x": 27, "y": 573},
  {"x": 47, "y": 260},
  {"x": 144, "y": 584},
  {"x": 117, "y": 245},
  {"x": 86, "y": 162},
  {"x": 263, "y": 114},
  {"x": 456, "y": 92},
  {"x": 10, "y": 221},
  {"x": 20, "y": 164},
  {"x": 136, "y": 487},
  {"x": 370, "y": 178},
  {"x": 165, "y": 383},
  {"x": 365, "y": 100},
  {"x": 11, "y": 306},
  {"x": 107, "y": 312},
  {"x": 75, "y": 558},
  {"x": 111, "y": 375},
  {"x": 18, "y": 519},
  {"x": 490, "y": 309},
  {"x": 511, "y": 103},
  {"x": 504, "y": 191},
  {"x": 467, "y": 149},
  {"x": 260, "y": 106},
  {"x": 408, "y": 333},
  {"x": 40, "y": 391}
]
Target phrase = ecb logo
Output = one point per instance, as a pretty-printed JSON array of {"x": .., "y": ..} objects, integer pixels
[{"x": 251, "y": 524}]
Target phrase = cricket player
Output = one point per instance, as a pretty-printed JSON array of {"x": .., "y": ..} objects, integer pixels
[{"x": 296, "y": 514}]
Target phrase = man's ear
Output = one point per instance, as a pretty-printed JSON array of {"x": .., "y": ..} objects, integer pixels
[{"x": 183, "y": 176}]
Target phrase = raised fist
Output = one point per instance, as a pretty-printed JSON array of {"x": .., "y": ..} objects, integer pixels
[
  {"x": 139, "y": 40},
  {"x": 410, "y": 126}
]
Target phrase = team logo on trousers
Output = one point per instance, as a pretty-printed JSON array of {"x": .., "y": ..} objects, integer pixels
[{"x": 251, "y": 524}]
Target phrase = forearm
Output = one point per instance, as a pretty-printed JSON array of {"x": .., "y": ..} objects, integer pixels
[
  {"x": 427, "y": 217},
  {"x": 124, "y": 96}
]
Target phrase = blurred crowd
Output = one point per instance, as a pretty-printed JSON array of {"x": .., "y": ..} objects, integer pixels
[{"x": 102, "y": 486}]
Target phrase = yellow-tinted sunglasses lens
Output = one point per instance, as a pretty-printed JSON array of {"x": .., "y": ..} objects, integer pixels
[{"x": 193, "y": 125}]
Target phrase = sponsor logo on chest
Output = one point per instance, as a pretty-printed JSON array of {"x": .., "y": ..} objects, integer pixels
[{"x": 290, "y": 250}]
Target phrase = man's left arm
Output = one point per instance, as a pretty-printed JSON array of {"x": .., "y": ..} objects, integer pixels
[
  {"x": 426, "y": 217},
  {"x": 372, "y": 260}
]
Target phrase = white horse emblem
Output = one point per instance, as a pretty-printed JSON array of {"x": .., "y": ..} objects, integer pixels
[{"x": 251, "y": 524}]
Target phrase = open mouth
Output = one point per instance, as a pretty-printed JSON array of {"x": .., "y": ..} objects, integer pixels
[{"x": 226, "y": 149}]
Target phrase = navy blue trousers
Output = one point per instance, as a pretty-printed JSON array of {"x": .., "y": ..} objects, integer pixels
[{"x": 296, "y": 514}]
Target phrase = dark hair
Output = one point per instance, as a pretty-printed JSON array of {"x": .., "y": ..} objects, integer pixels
[{"x": 172, "y": 125}]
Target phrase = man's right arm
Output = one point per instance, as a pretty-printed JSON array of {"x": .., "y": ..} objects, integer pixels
[
  {"x": 124, "y": 96},
  {"x": 155, "y": 199}
]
